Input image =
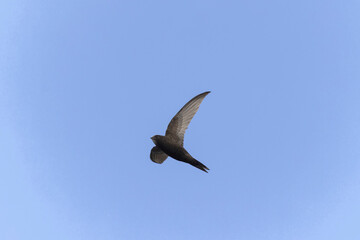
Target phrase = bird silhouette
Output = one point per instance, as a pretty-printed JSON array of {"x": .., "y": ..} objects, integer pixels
[{"x": 172, "y": 144}]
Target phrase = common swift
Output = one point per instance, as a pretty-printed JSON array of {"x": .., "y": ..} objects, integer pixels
[{"x": 172, "y": 144}]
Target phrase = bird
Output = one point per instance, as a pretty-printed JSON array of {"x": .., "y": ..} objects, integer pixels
[{"x": 172, "y": 144}]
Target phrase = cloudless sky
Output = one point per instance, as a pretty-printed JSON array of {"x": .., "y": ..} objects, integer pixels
[{"x": 85, "y": 84}]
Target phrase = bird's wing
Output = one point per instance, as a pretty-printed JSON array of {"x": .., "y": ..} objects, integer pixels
[
  {"x": 157, "y": 155},
  {"x": 180, "y": 122}
]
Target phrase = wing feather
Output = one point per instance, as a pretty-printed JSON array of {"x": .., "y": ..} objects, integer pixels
[
  {"x": 157, "y": 155},
  {"x": 180, "y": 122}
]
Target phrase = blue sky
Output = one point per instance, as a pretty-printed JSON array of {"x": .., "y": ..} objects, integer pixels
[{"x": 85, "y": 84}]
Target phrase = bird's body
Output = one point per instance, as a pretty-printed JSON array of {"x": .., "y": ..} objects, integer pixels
[
  {"x": 172, "y": 143},
  {"x": 172, "y": 149}
]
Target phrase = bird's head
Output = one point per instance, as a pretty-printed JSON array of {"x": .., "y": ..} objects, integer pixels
[{"x": 155, "y": 138}]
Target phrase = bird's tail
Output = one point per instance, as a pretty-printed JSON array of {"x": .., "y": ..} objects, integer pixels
[{"x": 199, "y": 165}]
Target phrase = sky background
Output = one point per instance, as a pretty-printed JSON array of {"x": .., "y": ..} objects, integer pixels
[{"x": 85, "y": 84}]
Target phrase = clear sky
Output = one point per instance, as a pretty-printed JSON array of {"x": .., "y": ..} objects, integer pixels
[{"x": 85, "y": 84}]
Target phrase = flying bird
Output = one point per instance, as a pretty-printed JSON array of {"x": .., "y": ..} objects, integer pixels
[{"x": 172, "y": 144}]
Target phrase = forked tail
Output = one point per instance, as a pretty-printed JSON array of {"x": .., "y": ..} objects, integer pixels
[{"x": 198, "y": 165}]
